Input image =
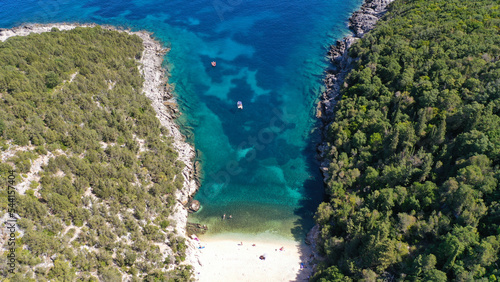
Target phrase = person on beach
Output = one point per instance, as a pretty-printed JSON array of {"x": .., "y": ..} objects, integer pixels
[
  {"x": 230, "y": 216},
  {"x": 224, "y": 216}
]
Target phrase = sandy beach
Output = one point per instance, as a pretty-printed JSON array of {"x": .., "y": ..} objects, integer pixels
[{"x": 232, "y": 257}]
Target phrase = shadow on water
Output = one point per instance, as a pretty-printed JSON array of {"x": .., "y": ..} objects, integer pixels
[
  {"x": 313, "y": 187},
  {"x": 255, "y": 209}
]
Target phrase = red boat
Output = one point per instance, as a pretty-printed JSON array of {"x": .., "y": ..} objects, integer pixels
[{"x": 214, "y": 64}]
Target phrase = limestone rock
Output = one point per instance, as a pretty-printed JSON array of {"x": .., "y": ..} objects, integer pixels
[{"x": 194, "y": 206}]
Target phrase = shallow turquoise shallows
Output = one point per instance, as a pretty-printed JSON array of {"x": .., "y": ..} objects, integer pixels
[{"x": 258, "y": 162}]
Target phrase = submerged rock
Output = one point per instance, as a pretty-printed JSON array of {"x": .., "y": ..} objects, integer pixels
[{"x": 194, "y": 206}]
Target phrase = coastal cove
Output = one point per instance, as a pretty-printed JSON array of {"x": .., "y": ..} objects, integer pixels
[
  {"x": 220, "y": 140},
  {"x": 269, "y": 56}
]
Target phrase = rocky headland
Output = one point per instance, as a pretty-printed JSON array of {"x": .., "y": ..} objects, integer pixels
[
  {"x": 361, "y": 22},
  {"x": 157, "y": 89}
]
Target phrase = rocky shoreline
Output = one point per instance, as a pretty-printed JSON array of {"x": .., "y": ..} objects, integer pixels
[
  {"x": 155, "y": 88},
  {"x": 361, "y": 21}
]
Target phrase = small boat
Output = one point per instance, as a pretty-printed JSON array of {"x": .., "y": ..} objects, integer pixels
[
  {"x": 214, "y": 64},
  {"x": 240, "y": 105}
]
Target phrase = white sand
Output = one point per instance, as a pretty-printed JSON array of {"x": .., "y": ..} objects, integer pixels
[{"x": 224, "y": 259}]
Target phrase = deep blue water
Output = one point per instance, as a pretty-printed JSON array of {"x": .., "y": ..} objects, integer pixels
[{"x": 258, "y": 162}]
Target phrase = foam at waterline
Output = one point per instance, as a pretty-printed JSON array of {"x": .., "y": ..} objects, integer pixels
[{"x": 262, "y": 237}]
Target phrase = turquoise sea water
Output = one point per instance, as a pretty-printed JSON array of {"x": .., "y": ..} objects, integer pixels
[{"x": 258, "y": 163}]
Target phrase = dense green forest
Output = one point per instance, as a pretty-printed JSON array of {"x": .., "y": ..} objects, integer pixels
[
  {"x": 415, "y": 149},
  {"x": 100, "y": 206}
]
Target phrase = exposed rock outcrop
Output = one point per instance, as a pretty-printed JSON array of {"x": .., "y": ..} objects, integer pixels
[
  {"x": 367, "y": 16},
  {"x": 194, "y": 206}
]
